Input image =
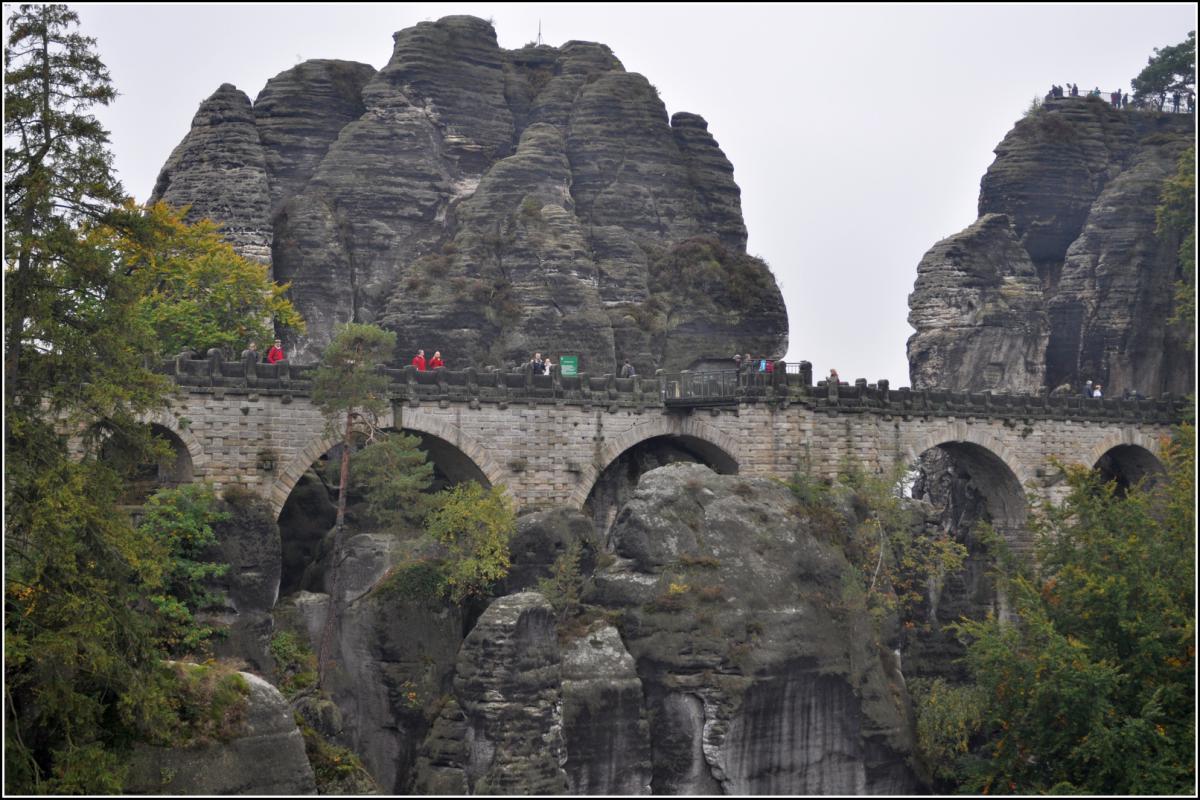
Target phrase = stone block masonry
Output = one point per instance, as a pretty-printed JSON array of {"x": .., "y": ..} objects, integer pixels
[{"x": 548, "y": 441}]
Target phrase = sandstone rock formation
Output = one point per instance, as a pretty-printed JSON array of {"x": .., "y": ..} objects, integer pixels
[
  {"x": 502, "y": 733},
  {"x": 266, "y": 759},
  {"x": 605, "y": 729},
  {"x": 1062, "y": 279},
  {"x": 758, "y": 676},
  {"x": 486, "y": 203}
]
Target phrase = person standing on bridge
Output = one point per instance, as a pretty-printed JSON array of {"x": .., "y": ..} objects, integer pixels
[
  {"x": 251, "y": 352},
  {"x": 419, "y": 361},
  {"x": 536, "y": 365},
  {"x": 276, "y": 354},
  {"x": 436, "y": 361},
  {"x": 1096, "y": 391},
  {"x": 627, "y": 371}
]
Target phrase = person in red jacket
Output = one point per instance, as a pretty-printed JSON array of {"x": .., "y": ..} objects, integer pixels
[
  {"x": 276, "y": 352},
  {"x": 436, "y": 361},
  {"x": 419, "y": 361}
]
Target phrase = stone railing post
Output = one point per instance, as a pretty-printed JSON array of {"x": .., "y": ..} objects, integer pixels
[
  {"x": 214, "y": 364},
  {"x": 283, "y": 370},
  {"x": 410, "y": 383},
  {"x": 185, "y": 355},
  {"x": 885, "y": 393},
  {"x": 439, "y": 375},
  {"x": 585, "y": 387},
  {"x": 610, "y": 384},
  {"x": 661, "y": 383},
  {"x": 806, "y": 379}
]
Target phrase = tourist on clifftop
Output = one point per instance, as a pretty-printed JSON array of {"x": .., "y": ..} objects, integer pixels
[
  {"x": 276, "y": 352},
  {"x": 419, "y": 361}
]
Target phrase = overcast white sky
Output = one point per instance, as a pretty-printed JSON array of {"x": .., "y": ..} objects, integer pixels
[{"x": 858, "y": 134}]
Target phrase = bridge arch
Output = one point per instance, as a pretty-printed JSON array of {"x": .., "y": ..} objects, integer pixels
[
  {"x": 689, "y": 437},
  {"x": 471, "y": 460},
  {"x": 994, "y": 472},
  {"x": 1127, "y": 457},
  {"x": 147, "y": 477},
  {"x": 195, "y": 451}
]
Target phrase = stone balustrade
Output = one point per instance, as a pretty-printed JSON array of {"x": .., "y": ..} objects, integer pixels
[{"x": 673, "y": 390}]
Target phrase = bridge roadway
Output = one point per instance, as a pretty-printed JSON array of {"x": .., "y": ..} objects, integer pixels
[{"x": 549, "y": 438}]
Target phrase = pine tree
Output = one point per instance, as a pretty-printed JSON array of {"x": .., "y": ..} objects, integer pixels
[{"x": 352, "y": 393}]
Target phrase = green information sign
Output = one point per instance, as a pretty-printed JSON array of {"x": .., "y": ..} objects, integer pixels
[{"x": 570, "y": 366}]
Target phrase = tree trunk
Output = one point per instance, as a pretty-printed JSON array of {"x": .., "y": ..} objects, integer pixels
[{"x": 335, "y": 556}]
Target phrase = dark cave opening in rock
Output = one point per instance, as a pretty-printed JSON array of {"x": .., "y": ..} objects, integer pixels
[
  {"x": 616, "y": 483},
  {"x": 311, "y": 509},
  {"x": 1128, "y": 465},
  {"x": 970, "y": 489}
]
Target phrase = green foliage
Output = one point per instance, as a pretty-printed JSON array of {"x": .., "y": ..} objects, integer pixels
[
  {"x": 348, "y": 381},
  {"x": 195, "y": 290},
  {"x": 295, "y": 664},
  {"x": 1176, "y": 217},
  {"x": 415, "y": 580},
  {"x": 393, "y": 475},
  {"x": 207, "y": 704},
  {"x": 180, "y": 521},
  {"x": 336, "y": 770},
  {"x": 80, "y": 658},
  {"x": 564, "y": 588},
  {"x": 893, "y": 558},
  {"x": 949, "y": 716},
  {"x": 1092, "y": 688},
  {"x": 475, "y": 525},
  {"x": 1169, "y": 69}
]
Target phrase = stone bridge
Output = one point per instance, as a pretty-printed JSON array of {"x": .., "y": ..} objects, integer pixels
[{"x": 550, "y": 439}]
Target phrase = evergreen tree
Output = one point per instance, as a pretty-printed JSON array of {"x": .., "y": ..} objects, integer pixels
[
  {"x": 81, "y": 667},
  {"x": 1170, "y": 69},
  {"x": 351, "y": 392}
]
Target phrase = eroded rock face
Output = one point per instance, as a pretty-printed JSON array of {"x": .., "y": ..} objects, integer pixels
[
  {"x": 220, "y": 171},
  {"x": 484, "y": 202},
  {"x": 1077, "y": 183},
  {"x": 249, "y": 544},
  {"x": 979, "y": 313},
  {"x": 267, "y": 758},
  {"x": 759, "y": 677},
  {"x": 502, "y": 734},
  {"x": 605, "y": 729}
]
